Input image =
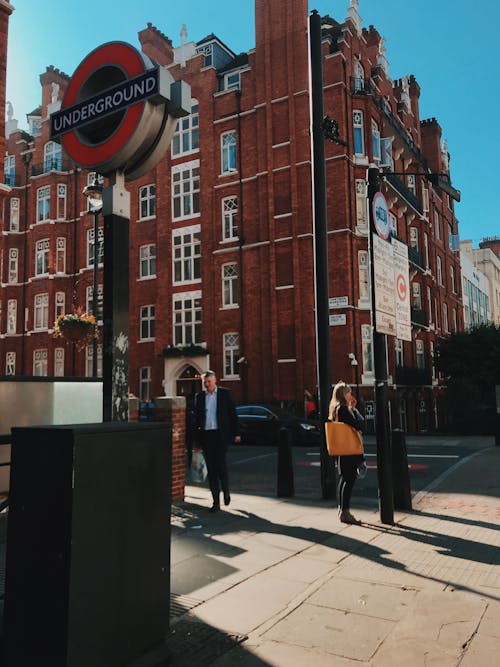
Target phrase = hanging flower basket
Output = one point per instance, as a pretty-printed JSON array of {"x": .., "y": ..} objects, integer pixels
[{"x": 78, "y": 328}]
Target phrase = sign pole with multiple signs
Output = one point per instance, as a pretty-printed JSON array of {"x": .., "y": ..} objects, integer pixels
[{"x": 383, "y": 322}]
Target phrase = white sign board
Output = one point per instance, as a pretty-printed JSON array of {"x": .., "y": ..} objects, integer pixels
[
  {"x": 338, "y": 302},
  {"x": 402, "y": 285},
  {"x": 385, "y": 303},
  {"x": 337, "y": 320}
]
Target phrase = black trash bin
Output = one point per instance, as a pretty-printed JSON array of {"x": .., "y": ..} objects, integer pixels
[{"x": 88, "y": 544}]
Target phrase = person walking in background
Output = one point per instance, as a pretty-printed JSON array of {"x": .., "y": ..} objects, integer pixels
[
  {"x": 343, "y": 409},
  {"x": 217, "y": 426}
]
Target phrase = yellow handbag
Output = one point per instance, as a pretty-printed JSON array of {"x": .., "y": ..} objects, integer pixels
[{"x": 342, "y": 439}]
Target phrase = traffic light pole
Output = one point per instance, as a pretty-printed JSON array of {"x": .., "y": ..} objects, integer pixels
[
  {"x": 384, "y": 459},
  {"x": 320, "y": 251}
]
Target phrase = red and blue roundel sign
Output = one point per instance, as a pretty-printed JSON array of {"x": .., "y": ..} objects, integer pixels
[
  {"x": 118, "y": 112},
  {"x": 380, "y": 211}
]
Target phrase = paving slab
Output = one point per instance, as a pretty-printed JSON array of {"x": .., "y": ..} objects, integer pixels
[
  {"x": 344, "y": 634},
  {"x": 250, "y": 604},
  {"x": 366, "y": 598}
]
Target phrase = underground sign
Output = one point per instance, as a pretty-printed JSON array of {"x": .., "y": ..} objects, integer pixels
[{"x": 119, "y": 111}]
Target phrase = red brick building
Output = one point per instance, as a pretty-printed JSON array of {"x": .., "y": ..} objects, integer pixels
[{"x": 221, "y": 233}]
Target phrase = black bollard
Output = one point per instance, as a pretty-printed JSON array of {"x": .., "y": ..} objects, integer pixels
[
  {"x": 286, "y": 488},
  {"x": 400, "y": 474}
]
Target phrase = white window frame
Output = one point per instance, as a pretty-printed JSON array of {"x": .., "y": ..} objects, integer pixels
[
  {"x": 425, "y": 201},
  {"x": 230, "y": 277},
  {"x": 446, "y": 326},
  {"x": 91, "y": 249},
  {"x": 452, "y": 280},
  {"x": 61, "y": 255},
  {"x": 361, "y": 204},
  {"x": 147, "y": 261},
  {"x": 59, "y": 362},
  {"x": 10, "y": 363},
  {"x": 187, "y": 318},
  {"x": 89, "y": 301},
  {"x": 375, "y": 142},
  {"x": 416, "y": 296},
  {"x": 439, "y": 270},
  {"x": 437, "y": 226},
  {"x": 230, "y": 218},
  {"x": 89, "y": 357},
  {"x": 367, "y": 350},
  {"x": 358, "y": 132},
  {"x": 43, "y": 204},
  {"x": 14, "y": 214},
  {"x": 414, "y": 238},
  {"x": 40, "y": 362},
  {"x": 420, "y": 353},
  {"x": 186, "y": 139},
  {"x": 426, "y": 249},
  {"x": 147, "y": 202},
  {"x": 186, "y": 255},
  {"x": 42, "y": 258},
  {"x": 231, "y": 354},
  {"x": 186, "y": 190},
  {"x": 11, "y": 317},
  {"x": 228, "y": 152},
  {"x": 9, "y": 169},
  {"x": 61, "y": 201},
  {"x": 232, "y": 80},
  {"x": 52, "y": 157},
  {"x": 145, "y": 382},
  {"x": 364, "y": 279},
  {"x": 13, "y": 266},
  {"x": 147, "y": 322},
  {"x": 41, "y": 312},
  {"x": 60, "y": 304},
  {"x": 411, "y": 184}
]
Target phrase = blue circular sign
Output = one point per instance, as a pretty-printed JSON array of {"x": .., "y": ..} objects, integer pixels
[{"x": 380, "y": 211}]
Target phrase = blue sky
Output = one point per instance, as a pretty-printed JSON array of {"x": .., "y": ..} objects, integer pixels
[{"x": 449, "y": 45}]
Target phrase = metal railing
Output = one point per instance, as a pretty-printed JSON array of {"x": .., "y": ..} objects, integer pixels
[
  {"x": 360, "y": 86},
  {"x": 415, "y": 257},
  {"x": 56, "y": 164},
  {"x": 404, "y": 191},
  {"x": 418, "y": 316}
]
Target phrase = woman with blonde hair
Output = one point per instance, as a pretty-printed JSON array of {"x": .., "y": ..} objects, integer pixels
[{"x": 343, "y": 409}]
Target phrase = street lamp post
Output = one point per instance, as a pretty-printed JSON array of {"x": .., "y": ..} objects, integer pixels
[{"x": 94, "y": 197}]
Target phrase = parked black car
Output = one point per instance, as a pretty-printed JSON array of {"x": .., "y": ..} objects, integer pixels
[{"x": 261, "y": 426}]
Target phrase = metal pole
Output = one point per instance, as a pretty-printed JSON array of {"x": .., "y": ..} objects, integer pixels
[
  {"x": 115, "y": 357},
  {"x": 320, "y": 250},
  {"x": 94, "y": 291},
  {"x": 384, "y": 466}
]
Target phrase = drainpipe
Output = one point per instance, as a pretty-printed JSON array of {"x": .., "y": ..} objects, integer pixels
[{"x": 241, "y": 242}]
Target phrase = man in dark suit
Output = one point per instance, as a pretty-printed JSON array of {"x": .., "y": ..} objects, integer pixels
[{"x": 217, "y": 427}]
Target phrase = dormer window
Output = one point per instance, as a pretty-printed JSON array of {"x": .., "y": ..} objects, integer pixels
[{"x": 208, "y": 54}]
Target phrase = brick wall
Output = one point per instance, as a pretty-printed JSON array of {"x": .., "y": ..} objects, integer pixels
[{"x": 171, "y": 410}]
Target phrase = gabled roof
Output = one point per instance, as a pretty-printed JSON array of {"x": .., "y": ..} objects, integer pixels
[{"x": 213, "y": 38}]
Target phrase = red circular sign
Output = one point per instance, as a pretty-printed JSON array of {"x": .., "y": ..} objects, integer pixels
[
  {"x": 125, "y": 58},
  {"x": 401, "y": 287}
]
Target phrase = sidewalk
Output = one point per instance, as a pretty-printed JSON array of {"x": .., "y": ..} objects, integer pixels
[{"x": 281, "y": 582}]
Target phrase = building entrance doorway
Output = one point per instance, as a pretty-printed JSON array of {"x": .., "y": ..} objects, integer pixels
[{"x": 188, "y": 383}]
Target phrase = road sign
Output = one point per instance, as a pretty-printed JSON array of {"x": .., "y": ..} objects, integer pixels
[
  {"x": 337, "y": 320},
  {"x": 402, "y": 293},
  {"x": 338, "y": 302},
  {"x": 380, "y": 211},
  {"x": 385, "y": 304}
]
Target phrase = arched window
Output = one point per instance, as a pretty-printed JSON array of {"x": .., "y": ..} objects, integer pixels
[{"x": 52, "y": 157}]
